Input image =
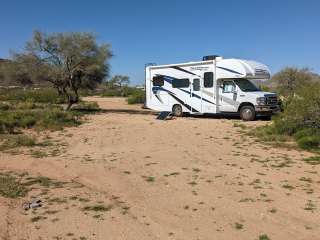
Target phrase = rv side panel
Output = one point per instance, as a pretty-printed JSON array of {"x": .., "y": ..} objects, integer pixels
[{"x": 190, "y": 85}]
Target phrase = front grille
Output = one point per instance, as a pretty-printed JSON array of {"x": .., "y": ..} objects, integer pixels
[{"x": 272, "y": 100}]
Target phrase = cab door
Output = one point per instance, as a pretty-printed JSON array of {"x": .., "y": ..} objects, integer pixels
[{"x": 228, "y": 96}]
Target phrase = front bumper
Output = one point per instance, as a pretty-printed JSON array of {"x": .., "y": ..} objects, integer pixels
[{"x": 267, "y": 109}]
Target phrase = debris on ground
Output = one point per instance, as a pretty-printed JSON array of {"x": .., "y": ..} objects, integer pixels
[
  {"x": 32, "y": 205},
  {"x": 165, "y": 115}
]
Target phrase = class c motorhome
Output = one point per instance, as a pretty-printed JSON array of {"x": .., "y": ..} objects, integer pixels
[{"x": 212, "y": 86}]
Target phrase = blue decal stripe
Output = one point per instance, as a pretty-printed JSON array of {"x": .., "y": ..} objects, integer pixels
[
  {"x": 181, "y": 102},
  {"x": 183, "y": 70},
  {"x": 197, "y": 96},
  {"x": 154, "y": 89},
  {"x": 170, "y": 79},
  {"x": 230, "y": 70}
]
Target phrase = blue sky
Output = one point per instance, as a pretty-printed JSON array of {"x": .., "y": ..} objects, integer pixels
[{"x": 277, "y": 33}]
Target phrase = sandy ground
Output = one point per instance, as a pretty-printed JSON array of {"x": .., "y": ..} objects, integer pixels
[{"x": 187, "y": 178}]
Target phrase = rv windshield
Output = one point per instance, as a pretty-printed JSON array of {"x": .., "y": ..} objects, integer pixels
[{"x": 246, "y": 86}]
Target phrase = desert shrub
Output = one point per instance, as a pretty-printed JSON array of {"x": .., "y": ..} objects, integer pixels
[
  {"x": 4, "y": 106},
  {"x": 17, "y": 140},
  {"x": 309, "y": 142},
  {"x": 304, "y": 133},
  {"x": 7, "y": 123},
  {"x": 112, "y": 93},
  {"x": 268, "y": 134},
  {"x": 265, "y": 88},
  {"x": 53, "y": 118},
  {"x": 127, "y": 91},
  {"x": 45, "y": 95},
  {"x": 86, "y": 107},
  {"x": 88, "y": 92},
  {"x": 10, "y": 187},
  {"x": 290, "y": 79},
  {"x": 124, "y": 91},
  {"x": 315, "y": 160},
  {"x": 136, "y": 97},
  {"x": 10, "y": 120},
  {"x": 302, "y": 111},
  {"x": 300, "y": 119},
  {"x": 29, "y": 104},
  {"x": 56, "y": 119}
]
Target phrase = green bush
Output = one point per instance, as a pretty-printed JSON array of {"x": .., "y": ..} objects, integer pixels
[
  {"x": 125, "y": 91},
  {"x": 305, "y": 133},
  {"x": 302, "y": 111},
  {"x": 112, "y": 93},
  {"x": 315, "y": 160},
  {"x": 87, "y": 107},
  {"x": 87, "y": 92},
  {"x": 56, "y": 119},
  {"x": 45, "y": 95},
  {"x": 309, "y": 142},
  {"x": 4, "y": 106},
  {"x": 136, "y": 97},
  {"x": 53, "y": 118},
  {"x": 10, "y": 187},
  {"x": 38, "y": 109},
  {"x": 19, "y": 140},
  {"x": 299, "y": 120},
  {"x": 7, "y": 123}
]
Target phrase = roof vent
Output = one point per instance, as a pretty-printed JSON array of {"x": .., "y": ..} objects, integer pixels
[{"x": 210, "y": 57}]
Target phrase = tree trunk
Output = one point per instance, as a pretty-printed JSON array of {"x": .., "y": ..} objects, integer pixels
[{"x": 72, "y": 99}]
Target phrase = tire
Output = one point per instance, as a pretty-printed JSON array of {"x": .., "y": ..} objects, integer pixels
[
  {"x": 177, "y": 110},
  {"x": 247, "y": 113}
]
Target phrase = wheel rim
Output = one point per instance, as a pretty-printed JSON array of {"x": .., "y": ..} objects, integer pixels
[
  {"x": 177, "y": 111},
  {"x": 247, "y": 114}
]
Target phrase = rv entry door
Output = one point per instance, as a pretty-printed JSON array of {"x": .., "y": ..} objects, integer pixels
[{"x": 195, "y": 100}]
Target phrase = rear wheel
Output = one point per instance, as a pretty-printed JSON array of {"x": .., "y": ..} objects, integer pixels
[
  {"x": 247, "y": 113},
  {"x": 177, "y": 110}
]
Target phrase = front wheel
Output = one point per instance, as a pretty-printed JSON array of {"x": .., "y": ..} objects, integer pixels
[
  {"x": 177, "y": 110},
  {"x": 247, "y": 113}
]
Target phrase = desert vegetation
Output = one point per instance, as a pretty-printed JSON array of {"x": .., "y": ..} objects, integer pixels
[
  {"x": 118, "y": 86},
  {"x": 72, "y": 63},
  {"x": 50, "y": 76},
  {"x": 68, "y": 62},
  {"x": 300, "y": 120},
  {"x": 40, "y": 110}
]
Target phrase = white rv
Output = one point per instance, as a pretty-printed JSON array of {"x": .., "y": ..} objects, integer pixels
[{"x": 214, "y": 86}]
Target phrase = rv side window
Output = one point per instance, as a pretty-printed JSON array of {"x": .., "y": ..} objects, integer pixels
[
  {"x": 180, "y": 83},
  {"x": 208, "y": 80},
  {"x": 196, "y": 84},
  {"x": 158, "y": 81}
]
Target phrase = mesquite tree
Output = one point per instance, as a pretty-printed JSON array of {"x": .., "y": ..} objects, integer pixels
[
  {"x": 69, "y": 61},
  {"x": 290, "y": 79}
]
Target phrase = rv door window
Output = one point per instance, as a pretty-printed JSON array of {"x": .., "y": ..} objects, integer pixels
[
  {"x": 180, "y": 83},
  {"x": 208, "y": 80},
  {"x": 158, "y": 81},
  {"x": 228, "y": 87},
  {"x": 196, "y": 84}
]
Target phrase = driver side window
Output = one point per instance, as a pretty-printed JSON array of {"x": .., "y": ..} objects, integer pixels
[{"x": 228, "y": 87}]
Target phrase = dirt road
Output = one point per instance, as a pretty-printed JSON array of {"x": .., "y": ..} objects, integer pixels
[{"x": 187, "y": 178}]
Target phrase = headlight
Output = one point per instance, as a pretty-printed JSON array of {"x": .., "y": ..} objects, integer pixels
[{"x": 261, "y": 100}]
